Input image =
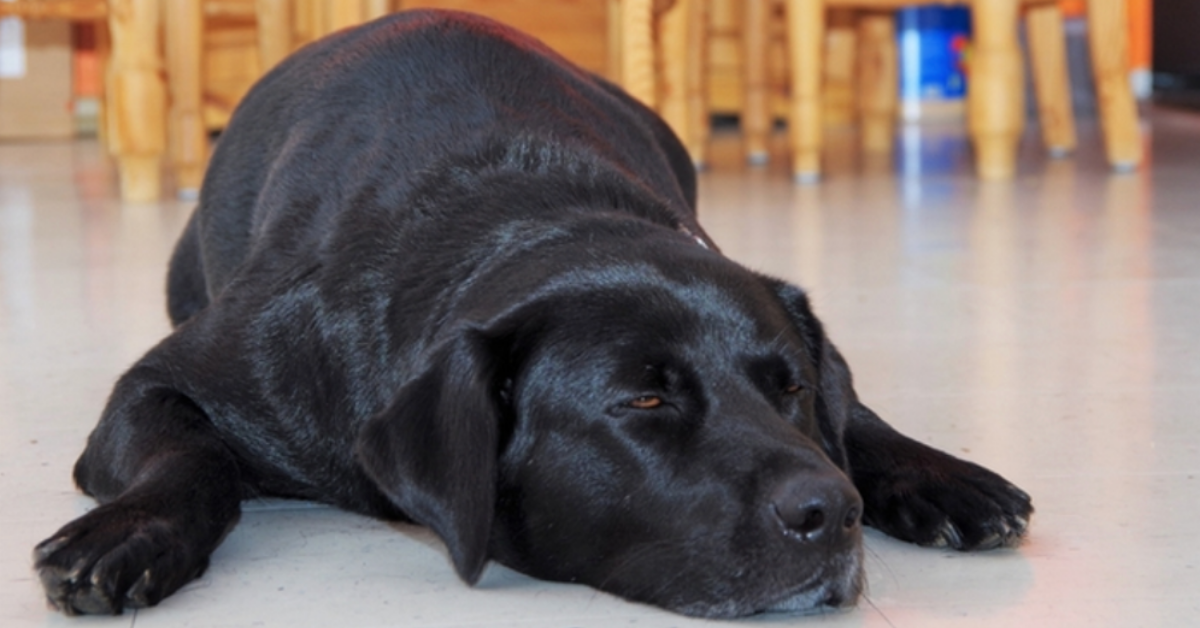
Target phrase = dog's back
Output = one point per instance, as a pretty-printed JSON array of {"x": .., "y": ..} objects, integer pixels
[{"x": 407, "y": 95}]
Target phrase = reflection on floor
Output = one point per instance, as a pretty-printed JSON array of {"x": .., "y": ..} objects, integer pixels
[{"x": 1045, "y": 327}]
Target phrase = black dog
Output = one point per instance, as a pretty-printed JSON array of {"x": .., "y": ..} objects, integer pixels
[{"x": 440, "y": 274}]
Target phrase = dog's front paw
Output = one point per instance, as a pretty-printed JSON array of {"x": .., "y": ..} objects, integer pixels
[
  {"x": 113, "y": 557},
  {"x": 940, "y": 501}
]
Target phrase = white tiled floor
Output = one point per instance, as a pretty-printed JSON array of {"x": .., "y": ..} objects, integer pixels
[{"x": 1047, "y": 328}]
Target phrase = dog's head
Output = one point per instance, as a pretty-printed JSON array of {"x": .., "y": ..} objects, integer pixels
[{"x": 649, "y": 419}]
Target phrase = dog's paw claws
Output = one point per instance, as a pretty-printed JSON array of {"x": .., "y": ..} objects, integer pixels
[
  {"x": 114, "y": 558},
  {"x": 947, "y": 536},
  {"x": 141, "y": 594},
  {"x": 51, "y": 545}
]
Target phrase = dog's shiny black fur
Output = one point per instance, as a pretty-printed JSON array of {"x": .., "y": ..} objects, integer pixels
[{"x": 438, "y": 273}]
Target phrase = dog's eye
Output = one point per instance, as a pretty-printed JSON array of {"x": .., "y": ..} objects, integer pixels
[
  {"x": 647, "y": 402},
  {"x": 793, "y": 389}
]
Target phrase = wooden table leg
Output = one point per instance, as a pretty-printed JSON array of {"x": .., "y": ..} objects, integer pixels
[
  {"x": 756, "y": 115},
  {"x": 806, "y": 42},
  {"x": 137, "y": 98},
  {"x": 1108, "y": 40},
  {"x": 184, "y": 27},
  {"x": 878, "y": 81},
  {"x": 995, "y": 92},
  {"x": 1052, "y": 83}
]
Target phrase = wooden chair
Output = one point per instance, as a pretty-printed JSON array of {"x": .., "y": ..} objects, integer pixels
[
  {"x": 658, "y": 48},
  {"x": 282, "y": 25},
  {"x": 995, "y": 100},
  {"x": 146, "y": 116},
  {"x": 134, "y": 126},
  {"x": 641, "y": 34},
  {"x": 141, "y": 111}
]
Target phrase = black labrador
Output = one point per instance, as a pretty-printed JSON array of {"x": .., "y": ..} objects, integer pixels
[{"x": 439, "y": 274}]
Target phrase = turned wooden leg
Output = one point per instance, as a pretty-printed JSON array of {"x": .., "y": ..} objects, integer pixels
[
  {"x": 756, "y": 115},
  {"x": 1109, "y": 44},
  {"x": 682, "y": 101},
  {"x": 672, "y": 88},
  {"x": 274, "y": 28},
  {"x": 995, "y": 92},
  {"x": 184, "y": 23},
  {"x": 806, "y": 43},
  {"x": 878, "y": 81},
  {"x": 1052, "y": 84},
  {"x": 137, "y": 98},
  {"x": 699, "y": 125},
  {"x": 637, "y": 50},
  {"x": 841, "y": 58}
]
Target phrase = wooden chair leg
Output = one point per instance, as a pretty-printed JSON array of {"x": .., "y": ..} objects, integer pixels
[
  {"x": 756, "y": 115},
  {"x": 672, "y": 88},
  {"x": 806, "y": 42},
  {"x": 274, "y": 27},
  {"x": 1052, "y": 84},
  {"x": 1109, "y": 44},
  {"x": 184, "y": 20},
  {"x": 995, "y": 93},
  {"x": 136, "y": 99},
  {"x": 699, "y": 126},
  {"x": 878, "y": 81},
  {"x": 637, "y": 50},
  {"x": 841, "y": 59},
  {"x": 683, "y": 104}
]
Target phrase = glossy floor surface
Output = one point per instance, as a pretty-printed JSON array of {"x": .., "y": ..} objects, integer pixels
[{"x": 1047, "y": 328}]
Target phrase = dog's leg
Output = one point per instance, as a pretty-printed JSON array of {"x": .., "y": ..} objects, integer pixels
[
  {"x": 169, "y": 491},
  {"x": 919, "y": 494}
]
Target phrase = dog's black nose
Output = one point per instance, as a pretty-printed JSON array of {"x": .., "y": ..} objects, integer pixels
[{"x": 817, "y": 507}]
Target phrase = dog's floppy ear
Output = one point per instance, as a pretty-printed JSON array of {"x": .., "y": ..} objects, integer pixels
[
  {"x": 835, "y": 390},
  {"x": 433, "y": 450}
]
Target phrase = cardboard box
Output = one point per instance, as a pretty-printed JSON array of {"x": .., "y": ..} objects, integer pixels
[{"x": 35, "y": 79}]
